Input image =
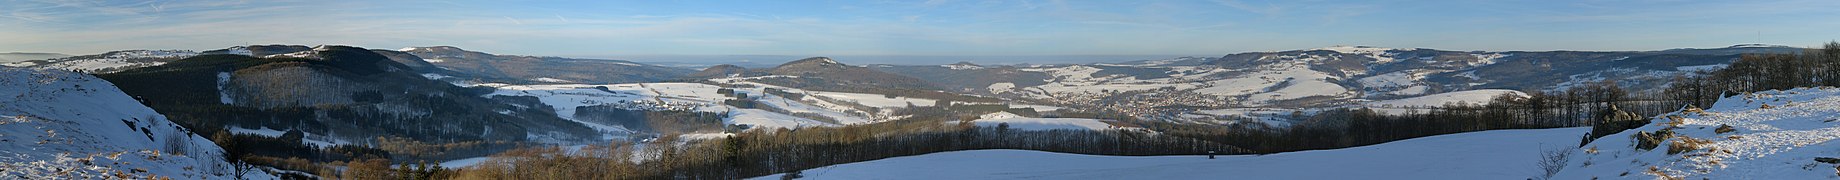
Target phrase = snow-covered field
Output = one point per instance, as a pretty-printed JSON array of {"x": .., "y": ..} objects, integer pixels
[
  {"x": 1039, "y": 124},
  {"x": 1781, "y": 141},
  {"x": 1473, "y": 97},
  {"x": 117, "y": 60},
  {"x": 876, "y": 100},
  {"x": 1498, "y": 154},
  {"x": 58, "y": 124},
  {"x": 565, "y": 98}
]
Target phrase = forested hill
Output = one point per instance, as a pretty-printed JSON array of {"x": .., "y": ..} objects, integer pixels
[
  {"x": 337, "y": 95},
  {"x": 519, "y": 69},
  {"x": 57, "y": 124}
]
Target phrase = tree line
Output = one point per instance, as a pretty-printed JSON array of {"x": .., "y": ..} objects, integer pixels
[{"x": 761, "y": 152}]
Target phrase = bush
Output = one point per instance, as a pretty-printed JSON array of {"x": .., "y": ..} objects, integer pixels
[
  {"x": 177, "y": 143},
  {"x": 1553, "y": 160}
]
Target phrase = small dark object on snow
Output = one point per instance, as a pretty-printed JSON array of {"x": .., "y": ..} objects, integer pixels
[
  {"x": 1210, "y": 154},
  {"x": 1827, "y": 160},
  {"x": 1724, "y": 129},
  {"x": 795, "y": 174}
]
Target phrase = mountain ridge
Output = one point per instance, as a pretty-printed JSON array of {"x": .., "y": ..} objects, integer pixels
[{"x": 541, "y": 69}]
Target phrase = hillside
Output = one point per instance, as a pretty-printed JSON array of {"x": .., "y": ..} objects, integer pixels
[
  {"x": 965, "y": 76},
  {"x": 260, "y": 50},
  {"x": 612, "y": 107},
  {"x": 539, "y": 69},
  {"x": 1478, "y": 155},
  {"x": 827, "y": 74},
  {"x": 1018, "y": 122},
  {"x": 1302, "y": 80},
  {"x": 721, "y": 71},
  {"x": 64, "y": 124},
  {"x": 1762, "y": 135},
  {"x": 113, "y": 61},
  {"x": 336, "y": 95},
  {"x": 117, "y": 61},
  {"x": 1473, "y": 97}
]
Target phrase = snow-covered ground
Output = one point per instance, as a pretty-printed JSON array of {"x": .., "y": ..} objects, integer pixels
[
  {"x": 1473, "y": 97},
  {"x": 565, "y": 98},
  {"x": 113, "y": 61},
  {"x": 1713, "y": 67},
  {"x": 462, "y": 163},
  {"x": 58, "y": 124},
  {"x": 1781, "y": 141},
  {"x": 1038, "y": 124},
  {"x": 1498, "y": 154},
  {"x": 876, "y": 100}
]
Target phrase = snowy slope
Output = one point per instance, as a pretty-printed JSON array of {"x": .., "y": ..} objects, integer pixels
[
  {"x": 1778, "y": 142},
  {"x": 1498, "y": 154},
  {"x": 565, "y": 98},
  {"x": 876, "y": 100},
  {"x": 62, "y": 124},
  {"x": 1040, "y": 124},
  {"x": 1473, "y": 97}
]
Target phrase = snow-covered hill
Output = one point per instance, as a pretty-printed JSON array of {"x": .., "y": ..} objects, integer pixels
[
  {"x": 1498, "y": 154},
  {"x": 1771, "y": 135},
  {"x": 108, "y": 62},
  {"x": 841, "y": 107},
  {"x": 1298, "y": 80},
  {"x": 453, "y": 61},
  {"x": 65, "y": 125}
]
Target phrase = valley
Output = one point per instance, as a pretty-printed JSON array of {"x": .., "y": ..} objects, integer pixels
[
  {"x": 936, "y": 89},
  {"x": 381, "y": 101}
]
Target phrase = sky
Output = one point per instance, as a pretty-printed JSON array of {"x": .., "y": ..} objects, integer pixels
[{"x": 945, "y": 28}]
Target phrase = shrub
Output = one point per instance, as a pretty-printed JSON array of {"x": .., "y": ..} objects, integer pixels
[
  {"x": 177, "y": 143},
  {"x": 1553, "y": 160}
]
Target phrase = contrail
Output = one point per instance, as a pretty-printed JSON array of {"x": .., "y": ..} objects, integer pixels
[{"x": 514, "y": 20}]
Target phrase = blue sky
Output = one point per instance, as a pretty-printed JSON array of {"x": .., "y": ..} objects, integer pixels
[{"x": 914, "y": 28}]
